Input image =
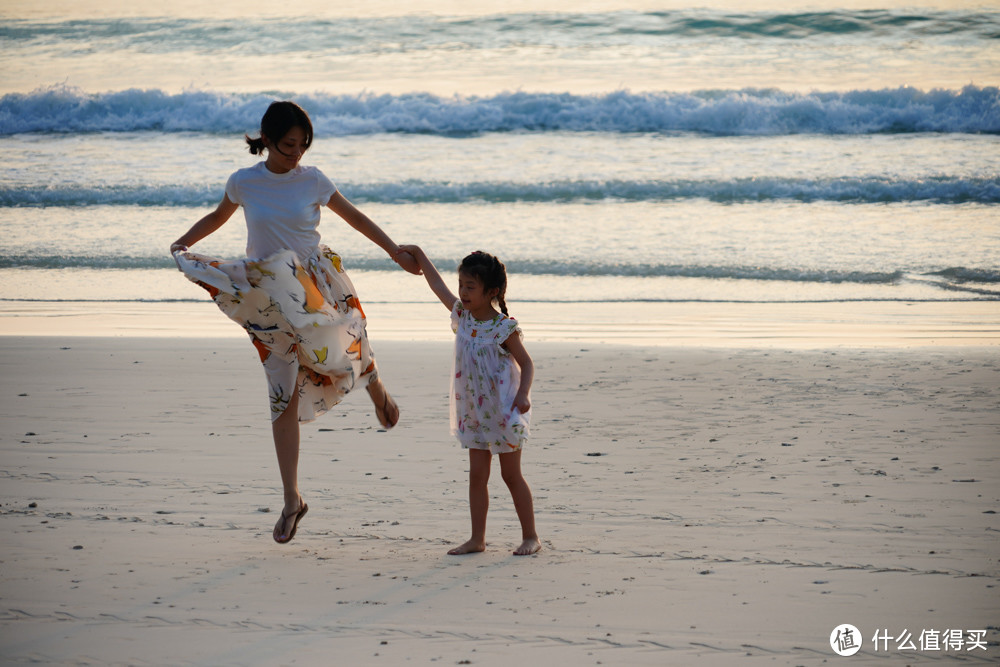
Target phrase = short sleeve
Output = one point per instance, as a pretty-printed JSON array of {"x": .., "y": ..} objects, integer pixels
[
  {"x": 456, "y": 315},
  {"x": 325, "y": 188},
  {"x": 508, "y": 328},
  {"x": 233, "y": 188}
]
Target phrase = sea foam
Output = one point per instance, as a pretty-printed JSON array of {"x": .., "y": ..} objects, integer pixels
[
  {"x": 763, "y": 112},
  {"x": 942, "y": 190}
]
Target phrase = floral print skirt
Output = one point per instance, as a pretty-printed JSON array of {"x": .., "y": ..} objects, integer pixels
[{"x": 304, "y": 318}]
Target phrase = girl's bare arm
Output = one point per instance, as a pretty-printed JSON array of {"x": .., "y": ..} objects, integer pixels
[
  {"x": 516, "y": 348},
  {"x": 434, "y": 279}
]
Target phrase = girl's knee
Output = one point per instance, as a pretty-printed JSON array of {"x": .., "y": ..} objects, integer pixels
[
  {"x": 512, "y": 476},
  {"x": 479, "y": 467},
  {"x": 510, "y": 467},
  {"x": 479, "y": 477}
]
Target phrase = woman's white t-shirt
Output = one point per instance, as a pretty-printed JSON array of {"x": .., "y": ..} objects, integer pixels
[{"x": 282, "y": 210}]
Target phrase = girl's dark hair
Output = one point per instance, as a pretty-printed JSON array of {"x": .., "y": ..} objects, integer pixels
[
  {"x": 279, "y": 118},
  {"x": 488, "y": 270}
]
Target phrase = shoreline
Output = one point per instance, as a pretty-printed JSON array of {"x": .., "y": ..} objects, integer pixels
[{"x": 684, "y": 324}]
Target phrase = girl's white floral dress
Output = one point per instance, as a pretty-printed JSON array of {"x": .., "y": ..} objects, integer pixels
[{"x": 484, "y": 384}]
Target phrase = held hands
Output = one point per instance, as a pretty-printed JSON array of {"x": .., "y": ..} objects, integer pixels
[
  {"x": 406, "y": 260},
  {"x": 412, "y": 250}
]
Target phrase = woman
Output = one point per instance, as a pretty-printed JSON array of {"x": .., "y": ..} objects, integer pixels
[{"x": 291, "y": 294}]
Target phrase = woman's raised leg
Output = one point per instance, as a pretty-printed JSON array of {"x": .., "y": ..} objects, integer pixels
[{"x": 386, "y": 409}]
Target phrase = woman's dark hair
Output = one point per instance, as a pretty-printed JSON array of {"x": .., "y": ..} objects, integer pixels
[
  {"x": 490, "y": 271},
  {"x": 279, "y": 118}
]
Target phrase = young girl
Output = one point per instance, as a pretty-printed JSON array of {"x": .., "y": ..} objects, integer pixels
[
  {"x": 291, "y": 293},
  {"x": 490, "y": 404}
]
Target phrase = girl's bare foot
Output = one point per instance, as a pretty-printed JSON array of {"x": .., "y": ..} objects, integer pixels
[
  {"x": 528, "y": 547},
  {"x": 470, "y": 547}
]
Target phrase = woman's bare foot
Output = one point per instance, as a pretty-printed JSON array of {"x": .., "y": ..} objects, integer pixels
[
  {"x": 528, "y": 547},
  {"x": 386, "y": 410},
  {"x": 470, "y": 547}
]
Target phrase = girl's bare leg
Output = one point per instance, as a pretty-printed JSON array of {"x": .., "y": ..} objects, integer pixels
[
  {"x": 479, "y": 501},
  {"x": 510, "y": 469},
  {"x": 286, "y": 444}
]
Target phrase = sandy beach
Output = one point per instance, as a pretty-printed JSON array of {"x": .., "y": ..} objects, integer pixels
[{"x": 714, "y": 502}]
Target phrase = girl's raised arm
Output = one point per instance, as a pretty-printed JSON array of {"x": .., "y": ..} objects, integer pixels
[{"x": 432, "y": 276}]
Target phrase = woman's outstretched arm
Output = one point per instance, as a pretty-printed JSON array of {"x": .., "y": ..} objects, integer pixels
[
  {"x": 206, "y": 225},
  {"x": 341, "y": 206}
]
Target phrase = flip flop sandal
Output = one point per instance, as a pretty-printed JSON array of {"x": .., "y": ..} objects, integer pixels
[{"x": 303, "y": 508}]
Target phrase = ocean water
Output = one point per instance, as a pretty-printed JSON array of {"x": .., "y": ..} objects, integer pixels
[{"x": 626, "y": 151}]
